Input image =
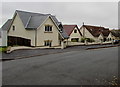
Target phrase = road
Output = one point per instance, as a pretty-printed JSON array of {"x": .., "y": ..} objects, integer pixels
[{"x": 88, "y": 67}]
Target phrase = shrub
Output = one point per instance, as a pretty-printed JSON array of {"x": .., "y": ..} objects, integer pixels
[
  {"x": 83, "y": 40},
  {"x": 87, "y": 39},
  {"x": 3, "y": 49},
  {"x": 92, "y": 40},
  {"x": 74, "y": 40}
]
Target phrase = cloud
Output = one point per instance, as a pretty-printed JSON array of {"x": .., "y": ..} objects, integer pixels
[{"x": 95, "y": 13}]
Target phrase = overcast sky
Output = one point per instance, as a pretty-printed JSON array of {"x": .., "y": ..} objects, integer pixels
[{"x": 92, "y": 13}]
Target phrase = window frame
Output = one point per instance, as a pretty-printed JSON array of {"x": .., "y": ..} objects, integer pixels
[
  {"x": 13, "y": 27},
  {"x": 48, "y": 43},
  {"x": 75, "y": 31},
  {"x": 48, "y": 28}
]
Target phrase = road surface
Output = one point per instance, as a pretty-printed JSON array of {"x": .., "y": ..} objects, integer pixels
[{"x": 87, "y": 67}]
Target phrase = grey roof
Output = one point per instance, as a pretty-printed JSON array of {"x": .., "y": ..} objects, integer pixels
[
  {"x": 62, "y": 31},
  {"x": 6, "y": 26},
  {"x": 35, "y": 22},
  {"x": 64, "y": 34},
  {"x": 55, "y": 19},
  {"x": 32, "y": 20}
]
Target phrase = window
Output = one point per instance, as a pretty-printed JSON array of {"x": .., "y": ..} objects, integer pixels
[
  {"x": 75, "y": 31},
  {"x": 48, "y": 43},
  {"x": 110, "y": 39},
  {"x": 13, "y": 27},
  {"x": 48, "y": 28}
]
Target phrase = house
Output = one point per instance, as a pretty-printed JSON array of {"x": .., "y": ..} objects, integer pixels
[
  {"x": 73, "y": 32},
  {"x": 4, "y": 30},
  {"x": 113, "y": 35},
  {"x": 34, "y": 29},
  {"x": 3, "y": 38},
  {"x": 0, "y": 38},
  {"x": 97, "y": 33}
]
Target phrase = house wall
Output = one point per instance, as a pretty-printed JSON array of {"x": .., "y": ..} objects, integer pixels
[
  {"x": 42, "y": 35},
  {"x": 87, "y": 34},
  {"x": 0, "y": 38},
  {"x": 112, "y": 37},
  {"x": 100, "y": 37},
  {"x": 20, "y": 31},
  {"x": 3, "y": 41},
  {"x": 0, "y": 41},
  {"x": 75, "y": 35}
]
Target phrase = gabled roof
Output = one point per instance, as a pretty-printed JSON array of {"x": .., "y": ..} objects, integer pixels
[
  {"x": 115, "y": 33},
  {"x": 7, "y": 24},
  {"x": 69, "y": 28},
  {"x": 35, "y": 21},
  {"x": 96, "y": 30},
  {"x": 105, "y": 32},
  {"x": 32, "y": 20}
]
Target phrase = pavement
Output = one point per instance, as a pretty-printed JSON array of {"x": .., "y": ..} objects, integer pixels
[
  {"x": 87, "y": 67},
  {"x": 26, "y": 53}
]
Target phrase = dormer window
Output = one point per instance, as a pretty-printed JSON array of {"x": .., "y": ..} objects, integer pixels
[
  {"x": 75, "y": 31},
  {"x": 48, "y": 28},
  {"x": 13, "y": 27}
]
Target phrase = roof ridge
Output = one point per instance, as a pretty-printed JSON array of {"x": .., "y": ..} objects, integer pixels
[
  {"x": 70, "y": 24},
  {"x": 28, "y": 22},
  {"x": 94, "y": 26},
  {"x": 31, "y": 12}
]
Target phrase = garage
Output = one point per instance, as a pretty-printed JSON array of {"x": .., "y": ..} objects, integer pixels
[{"x": 18, "y": 41}]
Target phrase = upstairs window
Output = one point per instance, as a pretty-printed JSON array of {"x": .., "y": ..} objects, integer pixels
[
  {"x": 13, "y": 27},
  {"x": 75, "y": 31},
  {"x": 48, "y": 28}
]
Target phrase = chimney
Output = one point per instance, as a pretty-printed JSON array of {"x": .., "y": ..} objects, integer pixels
[{"x": 83, "y": 23}]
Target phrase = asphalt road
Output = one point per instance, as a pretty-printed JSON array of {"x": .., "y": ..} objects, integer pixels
[{"x": 87, "y": 67}]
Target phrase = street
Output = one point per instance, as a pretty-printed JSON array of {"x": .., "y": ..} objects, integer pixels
[{"x": 87, "y": 67}]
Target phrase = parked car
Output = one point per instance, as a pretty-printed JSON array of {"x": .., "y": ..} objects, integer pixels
[{"x": 116, "y": 41}]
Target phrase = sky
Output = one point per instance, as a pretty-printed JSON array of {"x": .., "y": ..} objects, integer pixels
[{"x": 91, "y": 13}]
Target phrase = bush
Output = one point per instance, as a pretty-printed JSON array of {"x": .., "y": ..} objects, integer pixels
[
  {"x": 87, "y": 39},
  {"x": 92, "y": 40},
  {"x": 3, "y": 49},
  {"x": 83, "y": 40},
  {"x": 74, "y": 40}
]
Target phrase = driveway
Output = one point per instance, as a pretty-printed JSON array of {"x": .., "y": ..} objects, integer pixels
[
  {"x": 38, "y": 52},
  {"x": 19, "y": 54},
  {"x": 88, "y": 67}
]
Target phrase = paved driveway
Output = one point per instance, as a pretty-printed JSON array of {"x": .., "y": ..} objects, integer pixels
[
  {"x": 88, "y": 67},
  {"x": 33, "y": 52},
  {"x": 26, "y": 53}
]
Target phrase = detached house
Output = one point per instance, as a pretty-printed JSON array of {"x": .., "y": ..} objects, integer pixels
[
  {"x": 94, "y": 32},
  {"x": 35, "y": 29},
  {"x": 73, "y": 32},
  {"x": 113, "y": 35},
  {"x": 0, "y": 39}
]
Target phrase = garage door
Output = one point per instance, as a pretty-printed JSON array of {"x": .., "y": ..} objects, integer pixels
[{"x": 18, "y": 41}]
